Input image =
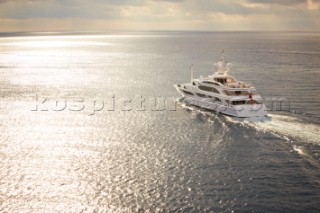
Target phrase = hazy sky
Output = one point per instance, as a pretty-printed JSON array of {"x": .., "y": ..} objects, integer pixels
[{"x": 208, "y": 15}]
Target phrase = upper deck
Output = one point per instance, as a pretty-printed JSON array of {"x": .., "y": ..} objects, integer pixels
[
  {"x": 226, "y": 82},
  {"x": 222, "y": 79}
]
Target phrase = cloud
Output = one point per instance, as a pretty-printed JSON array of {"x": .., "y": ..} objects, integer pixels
[
  {"x": 21, "y": 1},
  {"x": 313, "y": 4},
  {"x": 173, "y": 1},
  {"x": 227, "y": 7},
  {"x": 280, "y": 2},
  {"x": 310, "y": 4},
  {"x": 159, "y": 14},
  {"x": 59, "y": 9}
]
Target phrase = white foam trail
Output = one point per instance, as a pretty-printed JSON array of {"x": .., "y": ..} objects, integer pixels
[
  {"x": 285, "y": 126},
  {"x": 292, "y": 127},
  {"x": 248, "y": 120}
]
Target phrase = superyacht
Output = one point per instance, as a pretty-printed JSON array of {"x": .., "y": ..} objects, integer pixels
[{"x": 223, "y": 93}]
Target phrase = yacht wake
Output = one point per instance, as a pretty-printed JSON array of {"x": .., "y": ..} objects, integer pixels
[{"x": 291, "y": 127}]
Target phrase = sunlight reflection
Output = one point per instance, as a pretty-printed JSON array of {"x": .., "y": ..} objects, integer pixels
[
  {"x": 53, "y": 41},
  {"x": 50, "y": 43}
]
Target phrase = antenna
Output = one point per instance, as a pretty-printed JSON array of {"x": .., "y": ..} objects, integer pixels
[
  {"x": 191, "y": 70},
  {"x": 223, "y": 57},
  {"x": 222, "y": 63}
]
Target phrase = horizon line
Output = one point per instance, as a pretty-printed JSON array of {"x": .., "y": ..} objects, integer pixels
[{"x": 92, "y": 32}]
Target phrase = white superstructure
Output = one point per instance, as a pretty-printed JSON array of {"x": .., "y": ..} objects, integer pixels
[{"x": 223, "y": 93}]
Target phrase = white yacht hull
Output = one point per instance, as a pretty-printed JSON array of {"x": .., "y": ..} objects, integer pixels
[{"x": 241, "y": 111}]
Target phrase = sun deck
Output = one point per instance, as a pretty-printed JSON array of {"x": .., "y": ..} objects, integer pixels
[{"x": 226, "y": 81}]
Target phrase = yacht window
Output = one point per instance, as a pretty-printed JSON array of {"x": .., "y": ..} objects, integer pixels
[
  {"x": 221, "y": 80},
  {"x": 209, "y": 82},
  {"x": 236, "y": 93},
  {"x": 208, "y": 89},
  {"x": 200, "y": 95},
  {"x": 238, "y": 102},
  {"x": 187, "y": 92}
]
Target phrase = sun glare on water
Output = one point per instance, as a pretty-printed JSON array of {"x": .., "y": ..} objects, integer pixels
[
  {"x": 60, "y": 60},
  {"x": 53, "y": 42}
]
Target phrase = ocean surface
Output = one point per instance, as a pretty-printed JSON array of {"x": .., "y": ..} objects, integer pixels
[{"x": 90, "y": 123}]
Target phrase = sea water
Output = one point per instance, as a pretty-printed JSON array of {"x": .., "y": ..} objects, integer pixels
[{"x": 89, "y": 122}]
